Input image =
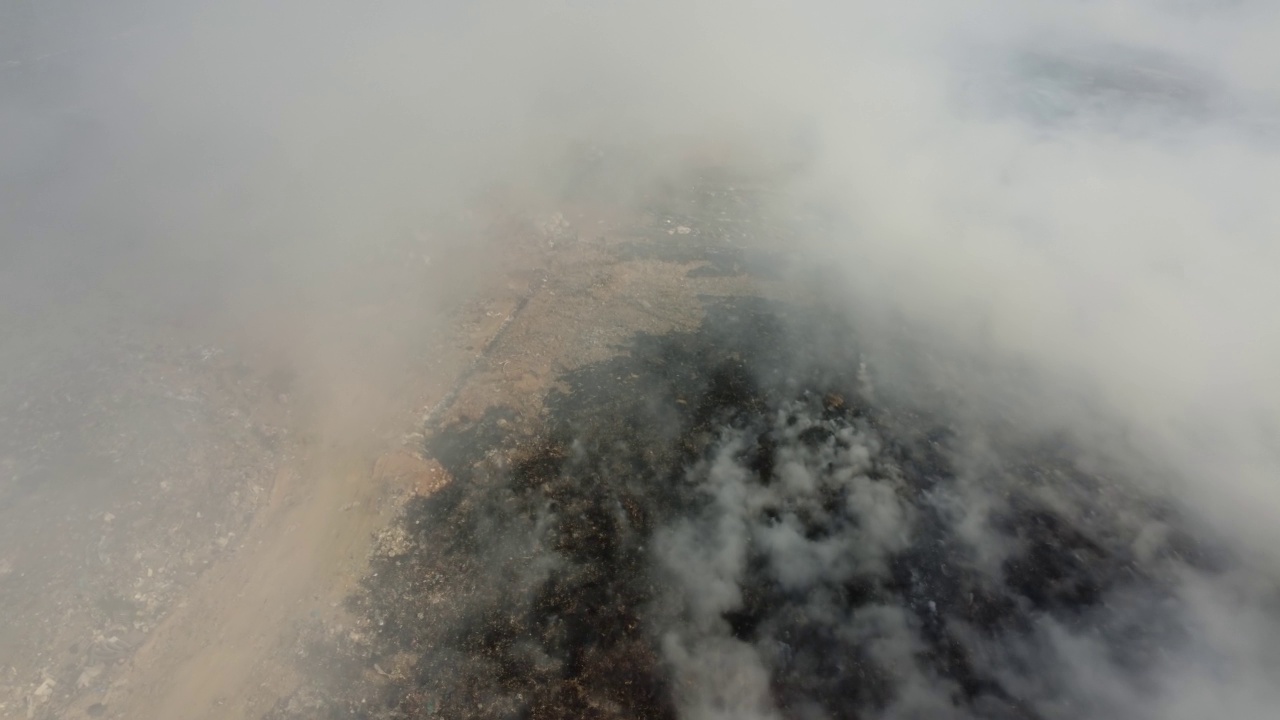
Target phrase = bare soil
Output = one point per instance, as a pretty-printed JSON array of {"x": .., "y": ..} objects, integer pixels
[{"x": 222, "y": 496}]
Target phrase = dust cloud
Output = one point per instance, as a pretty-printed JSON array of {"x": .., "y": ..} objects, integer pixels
[{"x": 1044, "y": 219}]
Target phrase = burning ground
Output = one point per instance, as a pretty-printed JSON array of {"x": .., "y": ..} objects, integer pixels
[{"x": 734, "y": 518}]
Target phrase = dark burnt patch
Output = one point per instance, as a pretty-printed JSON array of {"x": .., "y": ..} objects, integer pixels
[{"x": 526, "y": 587}]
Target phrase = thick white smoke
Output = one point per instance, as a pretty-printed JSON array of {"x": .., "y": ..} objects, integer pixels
[
  {"x": 853, "y": 578},
  {"x": 1080, "y": 192}
]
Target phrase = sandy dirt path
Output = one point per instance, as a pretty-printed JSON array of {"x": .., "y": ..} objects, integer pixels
[
  {"x": 232, "y": 646},
  {"x": 229, "y": 649}
]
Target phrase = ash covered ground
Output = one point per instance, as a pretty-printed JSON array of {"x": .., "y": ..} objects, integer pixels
[{"x": 739, "y": 520}]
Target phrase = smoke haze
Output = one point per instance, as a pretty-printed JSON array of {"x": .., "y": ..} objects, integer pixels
[{"x": 1043, "y": 220}]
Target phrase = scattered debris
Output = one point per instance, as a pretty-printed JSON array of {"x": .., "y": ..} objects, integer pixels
[
  {"x": 392, "y": 542},
  {"x": 40, "y": 696},
  {"x": 88, "y": 675}
]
